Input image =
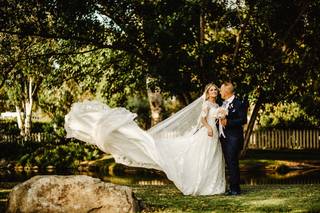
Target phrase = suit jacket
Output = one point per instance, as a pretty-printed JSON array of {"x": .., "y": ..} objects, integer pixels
[{"x": 236, "y": 118}]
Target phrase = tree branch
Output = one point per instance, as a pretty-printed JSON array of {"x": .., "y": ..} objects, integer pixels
[
  {"x": 303, "y": 10},
  {"x": 243, "y": 27},
  {"x": 252, "y": 120},
  {"x": 75, "y": 38},
  {"x": 57, "y": 54}
]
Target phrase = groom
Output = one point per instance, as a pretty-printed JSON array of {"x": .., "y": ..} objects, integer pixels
[{"x": 232, "y": 143}]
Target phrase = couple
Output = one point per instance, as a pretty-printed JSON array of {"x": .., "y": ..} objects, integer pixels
[{"x": 187, "y": 146}]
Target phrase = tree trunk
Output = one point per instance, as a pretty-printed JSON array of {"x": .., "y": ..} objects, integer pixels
[
  {"x": 25, "y": 119},
  {"x": 28, "y": 120},
  {"x": 201, "y": 41},
  {"x": 155, "y": 102},
  {"x": 20, "y": 119},
  {"x": 250, "y": 126},
  {"x": 28, "y": 110},
  {"x": 187, "y": 98}
]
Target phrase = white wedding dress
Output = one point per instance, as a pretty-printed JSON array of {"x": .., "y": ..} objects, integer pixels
[{"x": 193, "y": 161}]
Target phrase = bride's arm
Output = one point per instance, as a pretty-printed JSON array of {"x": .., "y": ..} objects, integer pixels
[
  {"x": 205, "y": 124},
  {"x": 204, "y": 115}
]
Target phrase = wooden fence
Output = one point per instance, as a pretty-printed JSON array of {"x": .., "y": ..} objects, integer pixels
[
  {"x": 267, "y": 139},
  {"x": 285, "y": 139},
  {"x": 35, "y": 137}
]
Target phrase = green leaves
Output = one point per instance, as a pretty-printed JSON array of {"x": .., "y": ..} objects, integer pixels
[
  {"x": 108, "y": 48},
  {"x": 285, "y": 115},
  {"x": 60, "y": 156}
]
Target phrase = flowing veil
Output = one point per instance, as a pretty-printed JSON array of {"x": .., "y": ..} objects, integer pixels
[
  {"x": 183, "y": 123},
  {"x": 114, "y": 131}
]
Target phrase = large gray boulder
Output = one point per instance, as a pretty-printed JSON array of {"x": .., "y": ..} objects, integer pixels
[{"x": 75, "y": 193}]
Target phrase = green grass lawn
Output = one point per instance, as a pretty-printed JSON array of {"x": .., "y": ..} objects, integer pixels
[
  {"x": 255, "y": 198},
  {"x": 259, "y": 198}
]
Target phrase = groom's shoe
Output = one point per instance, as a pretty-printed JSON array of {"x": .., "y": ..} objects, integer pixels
[{"x": 232, "y": 193}]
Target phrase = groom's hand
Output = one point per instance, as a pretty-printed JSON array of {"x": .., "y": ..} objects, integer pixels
[{"x": 223, "y": 122}]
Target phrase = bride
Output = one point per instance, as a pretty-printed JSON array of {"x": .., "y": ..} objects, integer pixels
[{"x": 185, "y": 146}]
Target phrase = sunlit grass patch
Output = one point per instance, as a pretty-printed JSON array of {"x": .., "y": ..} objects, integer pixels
[{"x": 259, "y": 198}]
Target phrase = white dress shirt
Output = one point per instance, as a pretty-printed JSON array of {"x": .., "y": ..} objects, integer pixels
[{"x": 228, "y": 101}]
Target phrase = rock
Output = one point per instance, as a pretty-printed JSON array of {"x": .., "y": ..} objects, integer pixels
[{"x": 74, "y": 193}]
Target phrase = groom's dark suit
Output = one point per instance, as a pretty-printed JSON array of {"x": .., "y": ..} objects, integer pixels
[{"x": 233, "y": 142}]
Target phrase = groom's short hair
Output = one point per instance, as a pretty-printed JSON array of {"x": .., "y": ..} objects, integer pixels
[{"x": 229, "y": 86}]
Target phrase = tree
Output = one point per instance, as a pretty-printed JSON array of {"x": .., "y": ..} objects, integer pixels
[
  {"x": 261, "y": 45},
  {"x": 276, "y": 45},
  {"x": 25, "y": 76}
]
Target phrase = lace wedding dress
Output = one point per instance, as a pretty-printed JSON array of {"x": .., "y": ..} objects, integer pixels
[{"x": 183, "y": 150}]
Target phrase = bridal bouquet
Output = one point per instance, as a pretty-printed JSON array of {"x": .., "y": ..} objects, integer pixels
[{"x": 222, "y": 112}]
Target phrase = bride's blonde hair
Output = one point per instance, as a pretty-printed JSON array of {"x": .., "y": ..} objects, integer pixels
[{"x": 208, "y": 86}]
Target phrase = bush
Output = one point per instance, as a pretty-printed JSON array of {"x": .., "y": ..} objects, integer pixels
[
  {"x": 61, "y": 156},
  {"x": 285, "y": 115},
  {"x": 14, "y": 150},
  {"x": 8, "y": 126},
  {"x": 140, "y": 105},
  {"x": 64, "y": 156}
]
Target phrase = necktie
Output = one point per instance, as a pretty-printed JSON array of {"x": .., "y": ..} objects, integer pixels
[{"x": 225, "y": 104}]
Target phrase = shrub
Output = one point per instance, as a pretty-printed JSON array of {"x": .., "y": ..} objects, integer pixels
[
  {"x": 64, "y": 156},
  {"x": 42, "y": 154},
  {"x": 285, "y": 115}
]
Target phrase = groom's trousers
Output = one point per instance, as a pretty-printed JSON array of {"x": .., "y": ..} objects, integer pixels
[{"x": 231, "y": 147}]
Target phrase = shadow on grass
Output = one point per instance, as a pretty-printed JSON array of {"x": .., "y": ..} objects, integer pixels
[
  {"x": 283, "y": 154},
  {"x": 3, "y": 199},
  {"x": 5, "y": 188}
]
